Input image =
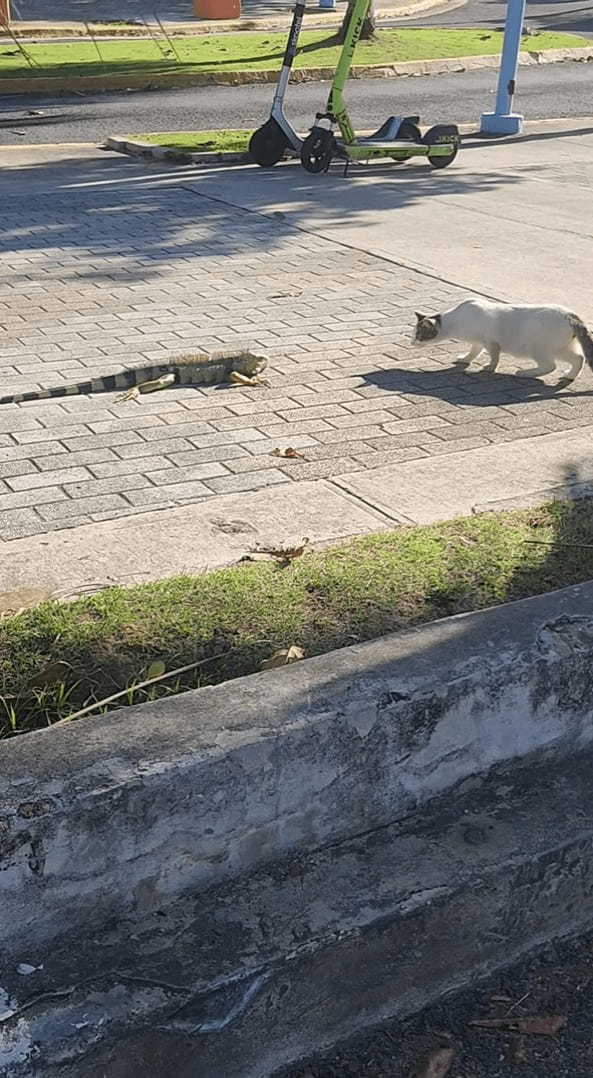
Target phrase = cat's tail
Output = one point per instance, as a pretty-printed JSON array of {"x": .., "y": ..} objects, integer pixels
[{"x": 583, "y": 337}]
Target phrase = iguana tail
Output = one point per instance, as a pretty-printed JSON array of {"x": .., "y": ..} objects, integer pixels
[{"x": 107, "y": 383}]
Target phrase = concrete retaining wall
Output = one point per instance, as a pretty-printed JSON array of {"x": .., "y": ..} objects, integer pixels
[{"x": 123, "y": 813}]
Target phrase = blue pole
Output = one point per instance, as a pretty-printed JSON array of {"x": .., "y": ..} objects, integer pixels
[{"x": 503, "y": 121}]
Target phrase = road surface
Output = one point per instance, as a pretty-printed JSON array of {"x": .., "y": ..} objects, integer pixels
[{"x": 553, "y": 91}]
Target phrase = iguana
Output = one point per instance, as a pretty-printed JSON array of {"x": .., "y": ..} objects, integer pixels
[{"x": 193, "y": 370}]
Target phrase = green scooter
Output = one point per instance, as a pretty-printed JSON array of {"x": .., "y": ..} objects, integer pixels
[{"x": 398, "y": 138}]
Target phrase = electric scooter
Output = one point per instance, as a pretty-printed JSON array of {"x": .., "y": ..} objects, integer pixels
[
  {"x": 398, "y": 138},
  {"x": 271, "y": 141}
]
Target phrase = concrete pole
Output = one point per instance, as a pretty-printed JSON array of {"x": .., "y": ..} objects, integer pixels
[
  {"x": 502, "y": 121},
  {"x": 4, "y": 12}
]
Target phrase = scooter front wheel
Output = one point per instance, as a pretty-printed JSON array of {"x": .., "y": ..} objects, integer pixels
[
  {"x": 317, "y": 150},
  {"x": 268, "y": 144}
]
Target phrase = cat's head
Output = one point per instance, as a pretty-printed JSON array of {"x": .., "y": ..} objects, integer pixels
[{"x": 427, "y": 328}]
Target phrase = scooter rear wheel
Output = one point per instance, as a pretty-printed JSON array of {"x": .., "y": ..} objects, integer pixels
[
  {"x": 268, "y": 144},
  {"x": 444, "y": 160},
  {"x": 442, "y": 133}
]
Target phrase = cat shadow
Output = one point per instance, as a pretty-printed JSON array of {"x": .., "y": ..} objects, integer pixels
[{"x": 475, "y": 388}]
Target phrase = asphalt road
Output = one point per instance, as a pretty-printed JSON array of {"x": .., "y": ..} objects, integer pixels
[
  {"x": 553, "y": 91},
  {"x": 557, "y": 981},
  {"x": 568, "y": 16}
]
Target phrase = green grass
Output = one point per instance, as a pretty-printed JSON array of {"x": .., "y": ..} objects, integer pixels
[
  {"x": 324, "y": 600},
  {"x": 244, "y": 52},
  {"x": 200, "y": 141}
]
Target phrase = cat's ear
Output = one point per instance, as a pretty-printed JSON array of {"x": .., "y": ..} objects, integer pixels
[{"x": 419, "y": 317}]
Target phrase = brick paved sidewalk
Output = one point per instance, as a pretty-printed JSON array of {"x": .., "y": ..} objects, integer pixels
[{"x": 95, "y": 278}]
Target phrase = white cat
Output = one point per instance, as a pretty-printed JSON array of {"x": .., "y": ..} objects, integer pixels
[{"x": 548, "y": 335}]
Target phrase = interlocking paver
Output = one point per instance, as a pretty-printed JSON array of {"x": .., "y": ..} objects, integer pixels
[{"x": 166, "y": 270}]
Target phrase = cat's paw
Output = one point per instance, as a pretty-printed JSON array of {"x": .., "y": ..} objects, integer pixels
[{"x": 531, "y": 372}]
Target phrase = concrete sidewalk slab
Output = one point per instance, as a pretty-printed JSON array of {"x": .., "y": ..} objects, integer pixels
[
  {"x": 191, "y": 539},
  {"x": 496, "y": 221},
  {"x": 423, "y": 491}
]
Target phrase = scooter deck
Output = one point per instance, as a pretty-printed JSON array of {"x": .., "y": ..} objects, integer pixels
[{"x": 364, "y": 148}]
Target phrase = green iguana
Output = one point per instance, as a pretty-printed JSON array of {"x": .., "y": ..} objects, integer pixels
[{"x": 192, "y": 370}]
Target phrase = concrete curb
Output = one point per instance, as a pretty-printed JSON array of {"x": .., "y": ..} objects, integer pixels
[
  {"x": 450, "y": 66},
  {"x": 185, "y": 791},
  {"x": 137, "y": 148},
  {"x": 310, "y": 835}
]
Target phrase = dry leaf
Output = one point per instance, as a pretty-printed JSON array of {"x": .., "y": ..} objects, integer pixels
[
  {"x": 438, "y": 1064},
  {"x": 290, "y": 453},
  {"x": 156, "y": 669},
  {"x": 49, "y": 675},
  {"x": 542, "y": 1027},
  {"x": 283, "y": 554},
  {"x": 284, "y": 657}
]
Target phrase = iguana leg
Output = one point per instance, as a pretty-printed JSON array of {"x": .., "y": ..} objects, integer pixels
[
  {"x": 245, "y": 380},
  {"x": 147, "y": 387}
]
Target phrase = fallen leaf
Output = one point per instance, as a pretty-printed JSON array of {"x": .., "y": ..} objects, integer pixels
[
  {"x": 26, "y": 970},
  {"x": 283, "y": 554},
  {"x": 283, "y": 657},
  {"x": 290, "y": 453},
  {"x": 542, "y": 1027},
  {"x": 156, "y": 669},
  {"x": 50, "y": 674},
  {"x": 438, "y": 1064}
]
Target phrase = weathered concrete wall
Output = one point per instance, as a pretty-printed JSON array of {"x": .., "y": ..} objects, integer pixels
[
  {"x": 261, "y": 970},
  {"x": 125, "y": 812}
]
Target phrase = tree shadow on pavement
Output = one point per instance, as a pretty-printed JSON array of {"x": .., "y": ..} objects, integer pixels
[{"x": 125, "y": 219}]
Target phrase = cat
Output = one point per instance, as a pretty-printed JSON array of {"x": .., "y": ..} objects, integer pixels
[{"x": 548, "y": 335}]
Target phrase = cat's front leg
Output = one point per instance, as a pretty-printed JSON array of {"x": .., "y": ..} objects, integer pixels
[
  {"x": 465, "y": 359},
  {"x": 494, "y": 353}
]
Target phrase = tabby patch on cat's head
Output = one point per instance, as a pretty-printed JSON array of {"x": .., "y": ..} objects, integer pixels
[{"x": 427, "y": 327}]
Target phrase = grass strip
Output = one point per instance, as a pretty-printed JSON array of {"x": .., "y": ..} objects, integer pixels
[
  {"x": 257, "y": 51},
  {"x": 200, "y": 141},
  {"x": 60, "y": 657}
]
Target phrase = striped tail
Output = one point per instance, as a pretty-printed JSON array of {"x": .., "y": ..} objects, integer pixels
[
  {"x": 105, "y": 384},
  {"x": 584, "y": 338}
]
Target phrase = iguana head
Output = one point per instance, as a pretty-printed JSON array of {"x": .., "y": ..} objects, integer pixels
[{"x": 253, "y": 364}]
